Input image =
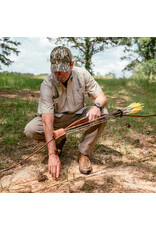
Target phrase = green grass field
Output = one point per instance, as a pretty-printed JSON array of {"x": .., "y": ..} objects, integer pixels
[{"x": 16, "y": 111}]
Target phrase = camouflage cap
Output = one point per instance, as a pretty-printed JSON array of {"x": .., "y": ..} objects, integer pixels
[{"x": 60, "y": 59}]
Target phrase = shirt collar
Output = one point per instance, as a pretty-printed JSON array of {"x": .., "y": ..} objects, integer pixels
[{"x": 57, "y": 81}]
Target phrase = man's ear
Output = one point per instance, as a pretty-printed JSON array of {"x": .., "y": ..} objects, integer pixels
[{"x": 72, "y": 64}]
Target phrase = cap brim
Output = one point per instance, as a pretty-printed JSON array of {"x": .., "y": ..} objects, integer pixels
[{"x": 62, "y": 67}]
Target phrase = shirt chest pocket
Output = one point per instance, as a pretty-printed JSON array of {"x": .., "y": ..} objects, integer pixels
[
  {"x": 79, "y": 96},
  {"x": 59, "y": 104}
]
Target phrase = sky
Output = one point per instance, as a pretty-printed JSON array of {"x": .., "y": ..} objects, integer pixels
[{"x": 35, "y": 52}]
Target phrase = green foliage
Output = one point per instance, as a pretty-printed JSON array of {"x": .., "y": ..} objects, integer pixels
[
  {"x": 146, "y": 47},
  {"x": 146, "y": 69},
  {"x": 7, "y": 47},
  {"x": 140, "y": 49},
  {"x": 110, "y": 75}
]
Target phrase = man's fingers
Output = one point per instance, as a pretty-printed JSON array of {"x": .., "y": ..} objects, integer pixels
[
  {"x": 58, "y": 170},
  {"x": 50, "y": 172},
  {"x": 92, "y": 117},
  {"x": 54, "y": 171},
  {"x": 54, "y": 166}
]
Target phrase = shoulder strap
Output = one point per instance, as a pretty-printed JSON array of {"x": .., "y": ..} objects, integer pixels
[
  {"x": 78, "y": 80},
  {"x": 56, "y": 91}
]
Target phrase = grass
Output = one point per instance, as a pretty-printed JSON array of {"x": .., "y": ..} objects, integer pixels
[
  {"x": 122, "y": 92},
  {"x": 16, "y": 112},
  {"x": 108, "y": 183},
  {"x": 88, "y": 186},
  {"x": 14, "y": 82}
]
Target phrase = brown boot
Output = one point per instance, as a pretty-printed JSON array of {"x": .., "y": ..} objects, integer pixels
[{"x": 84, "y": 164}]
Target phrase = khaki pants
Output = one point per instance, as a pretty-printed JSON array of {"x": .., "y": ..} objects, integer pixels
[{"x": 34, "y": 130}]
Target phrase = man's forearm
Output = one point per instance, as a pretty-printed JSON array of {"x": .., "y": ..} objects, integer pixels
[
  {"x": 101, "y": 98},
  {"x": 48, "y": 120},
  {"x": 54, "y": 163}
]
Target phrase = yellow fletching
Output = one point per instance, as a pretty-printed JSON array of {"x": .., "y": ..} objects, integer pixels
[
  {"x": 135, "y": 107},
  {"x": 135, "y": 110},
  {"x": 132, "y": 105}
]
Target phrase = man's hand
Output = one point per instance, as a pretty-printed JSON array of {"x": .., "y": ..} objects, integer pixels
[
  {"x": 93, "y": 113},
  {"x": 54, "y": 165}
]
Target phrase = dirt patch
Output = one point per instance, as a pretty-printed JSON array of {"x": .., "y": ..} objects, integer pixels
[
  {"x": 120, "y": 99},
  {"x": 120, "y": 178},
  {"x": 23, "y": 94}
]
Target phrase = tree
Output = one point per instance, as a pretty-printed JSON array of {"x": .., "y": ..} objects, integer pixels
[
  {"x": 87, "y": 46},
  {"x": 146, "y": 68},
  {"x": 110, "y": 75},
  {"x": 145, "y": 50},
  {"x": 7, "y": 47}
]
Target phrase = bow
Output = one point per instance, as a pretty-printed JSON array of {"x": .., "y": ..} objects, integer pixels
[{"x": 85, "y": 123}]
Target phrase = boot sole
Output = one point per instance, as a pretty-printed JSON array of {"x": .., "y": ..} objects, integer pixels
[{"x": 85, "y": 172}]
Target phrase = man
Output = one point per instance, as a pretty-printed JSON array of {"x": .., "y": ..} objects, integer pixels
[{"x": 62, "y": 103}]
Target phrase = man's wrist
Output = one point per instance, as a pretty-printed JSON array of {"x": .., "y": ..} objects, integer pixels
[
  {"x": 98, "y": 105},
  {"x": 54, "y": 152}
]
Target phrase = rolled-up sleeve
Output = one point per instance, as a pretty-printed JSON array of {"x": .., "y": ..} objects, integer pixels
[
  {"x": 46, "y": 99},
  {"x": 91, "y": 86}
]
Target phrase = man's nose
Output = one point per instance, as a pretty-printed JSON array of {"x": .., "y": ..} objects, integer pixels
[{"x": 59, "y": 73}]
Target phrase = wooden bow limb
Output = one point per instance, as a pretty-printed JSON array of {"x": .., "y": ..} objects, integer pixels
[
  {"x": 83, "y": 122},
  {"x": 4, "y": 170}
]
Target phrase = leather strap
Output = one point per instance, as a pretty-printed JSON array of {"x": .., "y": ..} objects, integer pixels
[{"x": 130, "y": 115}]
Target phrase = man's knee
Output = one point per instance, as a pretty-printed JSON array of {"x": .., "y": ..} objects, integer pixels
[
  {"x": 104, "y": 111},
  {"x": 29, "y": 132},
  {"x": 34, "y": 129}
]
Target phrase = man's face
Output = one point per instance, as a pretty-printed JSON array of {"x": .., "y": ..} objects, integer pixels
[{"x": 63, "y": 76}]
